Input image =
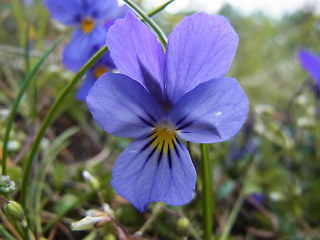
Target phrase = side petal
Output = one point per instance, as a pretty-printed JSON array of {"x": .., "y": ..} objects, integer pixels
[
  {"x": 311, "y": 63},
  {"x": 137, "y": 53},
  {"x": 200, "y": 48},
  {"x": 68, "y": 12},
  {"x": 80, "y": 48},
  {"x": 213, "y": 111},
  {"x": 122, "y": 107},
  {"x": 143, "y": 174}
]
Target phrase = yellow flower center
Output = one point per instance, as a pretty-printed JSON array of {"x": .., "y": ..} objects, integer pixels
[
  {"x": 99, "y": 70},
  {"x": 164, "y": 138},
  {"x": 87, "y": 25}
]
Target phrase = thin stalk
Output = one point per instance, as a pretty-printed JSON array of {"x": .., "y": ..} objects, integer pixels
[
  {"x": 41, "y": 27},
  {"x": 238, "y": 204},
  {"x": 27, "y": 50},
  {"x": 233, "y": 215},
  {"x": 6, "y": 234},
  {"x": 48, "y": 120},
  {"x": 160, "y": 8},
  {"x": 161, "y": 36},
  {"x": 207, "y": 193},
  {"x": 13, "y": 112}
]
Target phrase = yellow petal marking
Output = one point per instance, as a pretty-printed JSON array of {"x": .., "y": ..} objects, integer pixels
[
  {"x": 87, "y": 25},
  {"x": 164, "y": 138},
  {"x": 99, "y": 70}
]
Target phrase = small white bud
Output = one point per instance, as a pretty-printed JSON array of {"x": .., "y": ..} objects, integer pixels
[
  {"x": 91, "y": 180},
  {"x": 96, "y": 220}
]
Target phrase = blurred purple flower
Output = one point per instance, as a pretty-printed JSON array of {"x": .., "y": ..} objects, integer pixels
[
  {"x": 239, "y": 152},
  {"x": 161, "y": 98},
  {"x": 105, "y": 64},
  {"x": 311, "y": 63},
  {"x": 258, "y": 197},
  {"x": 88, "y": 18}
]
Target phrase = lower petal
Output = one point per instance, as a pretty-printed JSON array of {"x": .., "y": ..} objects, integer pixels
[
  {"x": 144, "y": 173},
  {"x": 82, "y": 46}
]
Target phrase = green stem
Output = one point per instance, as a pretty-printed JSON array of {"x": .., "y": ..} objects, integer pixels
[
  {"x": 238, "y": 204},
  {"x": 5, "y": 233},
  {"x": 160, "y": 8},
  {"x": 79, "y": 200},
  {"x": 161, "y": 36},
  {"x": 233, "y": 216},
  {"x": 207, "y": 193},
  {"x": 48, "y": 120},
  {"x": 13, "y": 112},
  {"x": 26, "y": 50}
]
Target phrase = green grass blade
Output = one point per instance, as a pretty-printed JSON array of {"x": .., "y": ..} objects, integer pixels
[
  {"x": 13, "y": 112},
  {"x": 160, "y": 8},
  {"x": 6, "y": 234}
]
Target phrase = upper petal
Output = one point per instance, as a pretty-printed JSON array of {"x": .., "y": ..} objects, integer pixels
[
  {"x": 137, "y": 53},
  {"x": 200, "y": 48},
  {"x": 144, "y": 173},
  {"x": 81, "y": 47},
  {"x": 66, "y": 11},
  {"x": 122, "y": 107},
  {"x": 311, "y": 63},
  {"x": 101, "y": 9},
  {"x": 213, "y": 111}
]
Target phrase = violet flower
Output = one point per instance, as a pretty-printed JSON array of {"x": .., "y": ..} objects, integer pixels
[
  {"x": 88, "y": 18},
  {"x": 161, "y": 98}
]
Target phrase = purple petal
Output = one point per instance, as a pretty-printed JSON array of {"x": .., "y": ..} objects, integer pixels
[
  {"x": 200, "y": 48},
  {"x": 121, "y": 12},
  {"x": 137, "y": 53},
  {"x": 311, "y": 63},
  {"x": 86, "y": 86},
  {"x": 80, "y": 48},
  {"x": 122, "y": 107},
  {"x": 68, "y": 12},
  {"x": 213, "y": 111},
  {"x": 143, "y": 174}
]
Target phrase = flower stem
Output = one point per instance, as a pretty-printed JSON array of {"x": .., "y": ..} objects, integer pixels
[
  {"x": 207, "y": 193},
  {"x": 14, "y": 109},
  {"x": 51, "y": 115},
  {"x": 157, "y": 30}
]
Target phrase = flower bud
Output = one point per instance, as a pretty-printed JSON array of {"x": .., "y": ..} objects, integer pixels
[
  {"x": 6, "y": 185},
  {"x": 183, "y": 225},
  {"x": 91, "y": 180},
  {"x": 110, "y": 237},
  {"x": 96, "y": 220},
  {"x": 14, "y": 212}
]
